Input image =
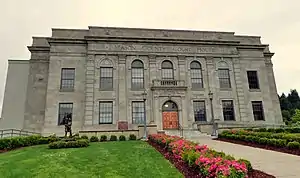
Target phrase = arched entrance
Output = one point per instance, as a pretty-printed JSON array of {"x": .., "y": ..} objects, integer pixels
[{"x": 170, "y": 115}]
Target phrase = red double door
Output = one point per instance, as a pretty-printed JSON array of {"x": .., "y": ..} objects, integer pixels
[{"x": 170, "y": 120}]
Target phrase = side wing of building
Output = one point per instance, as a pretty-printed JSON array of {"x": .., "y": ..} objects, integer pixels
[{"x": 15, "y": 95}]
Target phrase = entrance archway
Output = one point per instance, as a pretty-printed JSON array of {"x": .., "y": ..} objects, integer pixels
[{"x": 170, "y": 115}]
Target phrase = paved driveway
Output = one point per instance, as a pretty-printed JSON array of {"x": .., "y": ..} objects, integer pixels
[{"x": 278, "y": 164}]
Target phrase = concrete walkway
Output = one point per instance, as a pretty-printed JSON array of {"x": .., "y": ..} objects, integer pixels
[{"x": 280, "y": 165}]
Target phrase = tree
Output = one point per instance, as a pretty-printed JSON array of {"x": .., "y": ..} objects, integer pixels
[
  {"x": 285, "y": 104},
  {"x": 296, "y": 117},
  {"x": 294, "y": 99}
]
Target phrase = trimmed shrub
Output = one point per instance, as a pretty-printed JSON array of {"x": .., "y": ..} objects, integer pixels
[
  {"x": 94, "y": 139},
  {"x": 122, "y": 138},
  {"x": 103, "y": 138},
  {"x": 113, "y": 138},
  {"x": 84, "y": 137},
  {"x": 69, "y": 144},
  {"x": 132, "y": 137},
  {"x": 17, "y": 142},
  {"x": 293, "y": 145}
]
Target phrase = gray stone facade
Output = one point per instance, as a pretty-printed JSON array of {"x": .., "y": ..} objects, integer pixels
[{"x": 88, "y": 50}]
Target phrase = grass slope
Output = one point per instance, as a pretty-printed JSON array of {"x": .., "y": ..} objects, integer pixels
[{"x": 108, "y": 160}]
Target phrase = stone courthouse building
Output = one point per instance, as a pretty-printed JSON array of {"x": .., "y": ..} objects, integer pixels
[{"x": 103, "y": 75}]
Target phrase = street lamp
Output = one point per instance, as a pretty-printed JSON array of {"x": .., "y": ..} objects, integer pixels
[
  {"x": 145, "y": 121},
  {"x": 214, "y": 132}
]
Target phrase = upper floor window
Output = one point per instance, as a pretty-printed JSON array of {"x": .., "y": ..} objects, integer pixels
[
  {"x": 167, "y": 70},
  {"x": 106, "y": 78},
  {"x": 63, "y": 110},
  {"x": 253, "y": 80},
  {"x": 196, "y": 75},
  {"x": 228, "y": 110},
  {"x": 67, "y": 78},
  {"x": 258, "y": 111},
  {"x": 137, "y": 74},
  {"x": 199, "y": 110},
  {"x": 105, "y": 112},
  {"x": 224, "y": 78}
]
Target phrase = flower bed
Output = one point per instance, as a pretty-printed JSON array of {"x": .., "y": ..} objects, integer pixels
[
  {"x": 200, "y": 161},
  {"x": 282, "y": 142}
]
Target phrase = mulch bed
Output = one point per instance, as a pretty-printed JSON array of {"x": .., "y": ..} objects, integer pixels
[
  {"x": 190, "y": 172},
  {"x": 266, "y": 147}
]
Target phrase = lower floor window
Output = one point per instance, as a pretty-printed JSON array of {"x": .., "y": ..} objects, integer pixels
[
  {"x": 228, "y": 110},
  {"x": 258, "y": 111},
  {"x": 105, "y": 112},
  {"x": 199, "y": 110},
  {"x": 138, "y": 112},
  {"x": 64, "y": 109}
]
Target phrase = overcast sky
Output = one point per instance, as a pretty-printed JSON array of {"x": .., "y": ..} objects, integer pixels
[{"x": 277, "y": 21}]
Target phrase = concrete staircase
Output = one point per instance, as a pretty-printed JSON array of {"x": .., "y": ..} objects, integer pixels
[{"x": 189, "y": 134}]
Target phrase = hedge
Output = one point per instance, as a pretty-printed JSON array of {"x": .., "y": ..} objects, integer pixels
[
  {"x": 18, "y": 142},
  {"x": 264, "y": 138},
  {"x": 276, "y": 130},
  {"x": 69, "y": 144}
]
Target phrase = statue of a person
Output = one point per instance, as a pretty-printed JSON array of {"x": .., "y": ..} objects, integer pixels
[{"x": 67, "y": 121}]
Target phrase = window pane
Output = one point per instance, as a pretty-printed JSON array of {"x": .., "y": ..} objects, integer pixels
[
  {"x": 105, "y": 112},
  {"x": 167, "y": 65},
  {"x": 137, "y": 78},
  {"x": 64, "y": 108},
  {"x": 106, "y": 78},
  {"x": 167, "y": 73},
  {"x": 252, "y": 79},
  {"x": 224, "y": 78},
  {"x": 258, "y": 111},
  {"x": 138, "y": 112},
  {"x": 199, "y": 110},
  {"x": 67, "y": 78},
  {"x": 228, "y": 110},
  {"x": 106, "y": 72}
]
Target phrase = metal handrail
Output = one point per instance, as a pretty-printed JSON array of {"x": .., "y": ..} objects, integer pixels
[
  {"x": 6, "y": 133},
  {"x": 180, "y": 128}
]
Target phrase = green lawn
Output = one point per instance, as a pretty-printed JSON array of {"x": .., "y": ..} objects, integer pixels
[{"x": 132, "y": 159}]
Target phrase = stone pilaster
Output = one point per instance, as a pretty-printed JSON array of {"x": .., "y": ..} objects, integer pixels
[
  {"x": 89, "y": 90},
  {"x": 122, "y": 89},
  {"x": 182, "y": 67},
  {"x": 211, "y": 85},
  {"x": 242, "y": 105},
  {"x": 152, "y": 76}
]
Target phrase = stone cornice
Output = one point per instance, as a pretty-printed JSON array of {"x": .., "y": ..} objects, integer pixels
[
  {"x": 38, "y": 48},
  {"x": 269, "y": 54},
  {"x": 66, "y": 41}
]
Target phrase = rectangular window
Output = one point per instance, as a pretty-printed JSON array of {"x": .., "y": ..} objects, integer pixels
[
  {"x": 253, "y": 80},
  {"x": 105, "y": 112},
  {"x": 258, "y": 111},
  {"x": 64, "y": 108},
  {"x": 138, "y": 112},
  {"x": 196, "y": 78},
  {"x": 67, "y": 78},
  {"x": 106, "y": 78},
  {"x": 228, "y": 110},
  {"x": 167, "y": 74},
  {"x": 137, "y": 78},
  {"x": 199, "y": 110},
  {"x": 224, "y": 78}
]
